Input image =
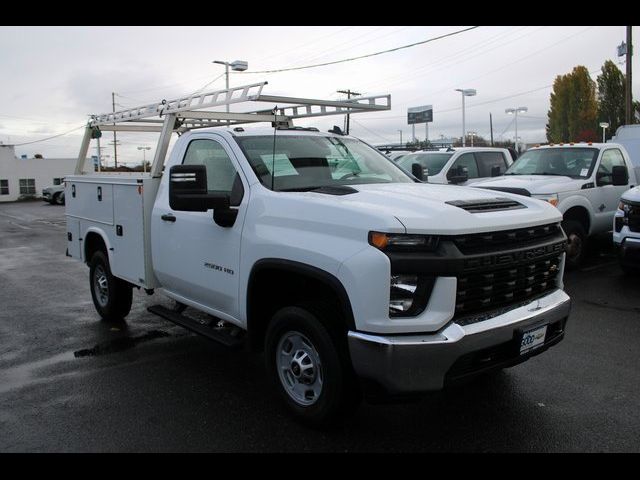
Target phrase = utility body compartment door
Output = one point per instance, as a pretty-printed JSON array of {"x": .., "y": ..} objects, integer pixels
[{"x": 128, "y": 236}]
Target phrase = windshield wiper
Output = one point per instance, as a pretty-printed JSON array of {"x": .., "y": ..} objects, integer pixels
[{"x": 543, "y": 173}]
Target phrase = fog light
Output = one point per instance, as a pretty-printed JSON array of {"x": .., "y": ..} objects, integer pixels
[{"x": 409, "y": 294}]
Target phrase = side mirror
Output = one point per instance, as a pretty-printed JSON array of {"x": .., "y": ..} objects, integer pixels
[
  {"x": 495, "y": 171},
  {"x": 619, "y": 175},
  {"x": 458, "y": 175},
  {"x": 188, "y": 190},
  {"x": 417, "y": 171}
]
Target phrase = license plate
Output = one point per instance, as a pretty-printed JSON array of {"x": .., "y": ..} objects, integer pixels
[{"x": 533, "y": 339}]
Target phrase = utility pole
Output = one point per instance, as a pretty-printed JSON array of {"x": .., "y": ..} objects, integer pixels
[
  {"x": 348, "y": 93},
  {"x": 491, "y": 126},
  {"x": 628, "y": 96},
  {"x": 115, "y": 140}
]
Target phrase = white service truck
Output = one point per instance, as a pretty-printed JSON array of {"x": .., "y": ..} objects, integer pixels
[
  {"x": 583, "y": 180},
  {"x": 351, "y": 275}
]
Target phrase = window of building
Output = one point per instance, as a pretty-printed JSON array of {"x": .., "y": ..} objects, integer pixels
[
  {"x": 4, "y": 187},
  {"x": 27, "y": 186}
]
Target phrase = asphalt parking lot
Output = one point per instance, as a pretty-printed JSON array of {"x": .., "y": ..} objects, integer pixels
[{"x": 70, "y": 382}]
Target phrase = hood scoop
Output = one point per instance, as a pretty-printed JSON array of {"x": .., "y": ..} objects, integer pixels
[
  {"x": 335, "y": 190},
  {"x": 486, "y": 205},
  {"x": 518, "y": 191}
]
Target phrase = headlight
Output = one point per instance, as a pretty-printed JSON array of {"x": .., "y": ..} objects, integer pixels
[
  {"x": 409, "y": 294},
  {"x": 551, "y": 198},
  {"x": 394, "y": 242},
  {"x": 621, "y": 216}
]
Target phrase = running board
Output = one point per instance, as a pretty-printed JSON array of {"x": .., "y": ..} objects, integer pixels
[{"x": 219, "y": 334}]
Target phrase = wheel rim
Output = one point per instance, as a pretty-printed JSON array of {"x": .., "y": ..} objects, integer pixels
[
  {"x": 299, "y": 368},
  {"x": 101, "y": 285},
  {"x": 574, "y": 246}
]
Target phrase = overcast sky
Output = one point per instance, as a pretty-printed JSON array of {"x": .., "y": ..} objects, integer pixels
[{"x": 53, "y": 77}]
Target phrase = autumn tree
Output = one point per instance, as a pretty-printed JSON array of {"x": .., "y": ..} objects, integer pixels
[
  {"x": 573, "y": 111},
  {"x": 611, "y": 97}
]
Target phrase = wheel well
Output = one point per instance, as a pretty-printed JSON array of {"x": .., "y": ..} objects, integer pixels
[
  {"x": 92, "y": 243},
  {"x": 277, "y": 284},
  {"x": 578, "y": 214}
]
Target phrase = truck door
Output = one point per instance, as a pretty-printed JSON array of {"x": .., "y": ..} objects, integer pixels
[
  {"x": 195, "y": 258},
  {"x": 606, "y": 202},
  {"x": 468, "y": 161}
]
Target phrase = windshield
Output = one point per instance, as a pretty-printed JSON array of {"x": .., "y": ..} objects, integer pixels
[
  {"x": 432, "y": 162},
  {"x": 310, "y": 162},
  {"x": 569, "y": 162}
]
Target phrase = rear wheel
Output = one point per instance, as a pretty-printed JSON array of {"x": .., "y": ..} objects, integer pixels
[
  {"x": 577, "y": 243},
  {"x": 111, "y": 296},
  {"x": 308, "y": 362}
]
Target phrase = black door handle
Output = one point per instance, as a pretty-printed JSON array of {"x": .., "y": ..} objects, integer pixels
[{"x": 167, "y": 217}]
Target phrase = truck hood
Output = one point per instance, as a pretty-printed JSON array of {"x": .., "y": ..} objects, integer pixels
[
  {"x": 422, "y": 208},
  {"x": 632, "y": 195},
  {"x": 535, "y": 184}
]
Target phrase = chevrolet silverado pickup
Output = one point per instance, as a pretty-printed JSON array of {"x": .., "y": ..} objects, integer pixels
[{"x": 351, "y": 275}]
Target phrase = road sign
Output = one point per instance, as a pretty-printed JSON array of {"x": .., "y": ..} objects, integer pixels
[{"x": 422, "y": 114}]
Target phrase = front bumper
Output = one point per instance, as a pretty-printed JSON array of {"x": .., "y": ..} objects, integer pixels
[
  {"x": 46, "y": 195},
  {"x": 629, "y": 252},
  {"x": 418, "y": 363}
]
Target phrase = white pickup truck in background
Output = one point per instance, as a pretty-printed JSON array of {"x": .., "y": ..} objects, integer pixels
[
  {"x": 583, "y": 180},
  {"x": 351, "y": 275},
  {"x": 459, "y": 166}
]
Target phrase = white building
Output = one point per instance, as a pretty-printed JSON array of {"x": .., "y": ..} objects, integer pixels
[{"x": 26, "y": 177}]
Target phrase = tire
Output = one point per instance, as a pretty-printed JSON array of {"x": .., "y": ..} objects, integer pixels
[
  {"x": 577, "y": 243},
  {"x": 308, "y": 363},
  {"x": 111, "y": 296},
  {"x": 58, "y": 199}
]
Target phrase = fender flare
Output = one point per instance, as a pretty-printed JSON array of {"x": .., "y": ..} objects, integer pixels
[{"x": 307, "y": 270}]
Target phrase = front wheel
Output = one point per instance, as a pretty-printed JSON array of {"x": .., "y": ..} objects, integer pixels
[
  {"x": 576, "y": 243},
  {"x": 309, "y": 365},
  {"x": 111, "y": 296}
]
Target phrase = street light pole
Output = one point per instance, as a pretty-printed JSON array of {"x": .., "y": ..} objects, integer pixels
[
  {"x": 144, "y": 157},
  {"x": 466, "y": 92},
  {"x": 400, "y": 137},
  {"x": 236, "y": 66},
  {"x": 604, "y": 126},
  {"x": 515, "y": 111}
]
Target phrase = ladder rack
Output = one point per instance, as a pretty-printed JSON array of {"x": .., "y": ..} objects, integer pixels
[{"x": 190, "y": 112}]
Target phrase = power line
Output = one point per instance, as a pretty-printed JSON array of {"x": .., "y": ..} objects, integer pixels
[
  {"x": 367, "y": 55},
  {"x": 49, "y": 138},
  {"x": 372, "y": 132},
  {"x": 207, "y": 84},
  {"x": 351, "y": 45}
]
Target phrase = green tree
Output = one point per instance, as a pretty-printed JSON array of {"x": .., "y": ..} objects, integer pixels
[
  {"x": 574, "y": 108},
  {"x": 611, "y": 92}
]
